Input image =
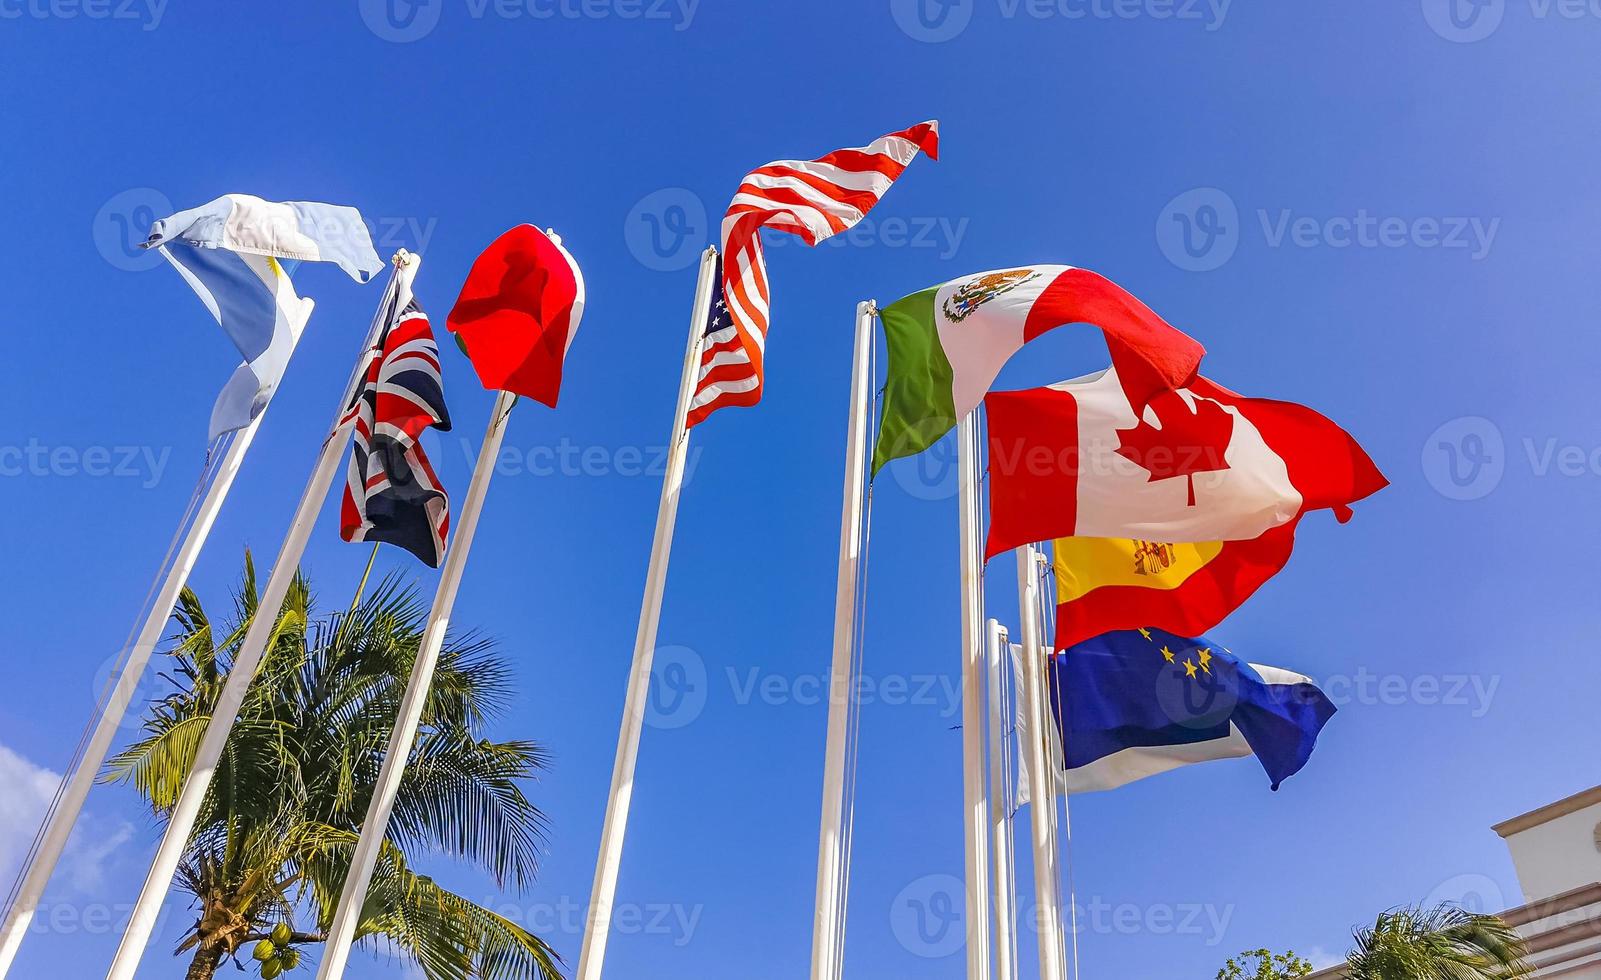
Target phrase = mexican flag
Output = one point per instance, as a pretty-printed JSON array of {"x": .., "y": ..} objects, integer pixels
[{"x": 948, "y": 343}]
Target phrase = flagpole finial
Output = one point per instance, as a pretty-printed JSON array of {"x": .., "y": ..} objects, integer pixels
[
  {"x": 550, "y": 233},
  {"x": 403, "y": 258}
]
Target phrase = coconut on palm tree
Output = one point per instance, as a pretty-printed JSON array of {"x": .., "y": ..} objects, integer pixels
[
  {"x": 270, "y": 851},
  {"x": 1441, "y": 943}
]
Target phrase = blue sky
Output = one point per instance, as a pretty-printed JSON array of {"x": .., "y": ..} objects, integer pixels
[{"x": 1374, "y": 208}]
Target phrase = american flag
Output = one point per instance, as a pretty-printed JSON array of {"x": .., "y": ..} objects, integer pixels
[
  {"x": 392, "y": 493},
  {"x": 814, "y": 199}
]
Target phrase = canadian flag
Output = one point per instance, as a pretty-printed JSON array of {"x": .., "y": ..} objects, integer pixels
[{"x": 1197, "y": 464}]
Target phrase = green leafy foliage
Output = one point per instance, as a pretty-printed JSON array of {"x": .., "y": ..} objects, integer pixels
[
  {"x": 280, "y": 822},
  {"x": 1441, "y": 943},
  {"x": 1264, "y": 964}
]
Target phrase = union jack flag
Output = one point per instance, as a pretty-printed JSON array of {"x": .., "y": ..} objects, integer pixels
[
  {"x": 392, "y": 493},
  {"x": 814, "y": 199}
]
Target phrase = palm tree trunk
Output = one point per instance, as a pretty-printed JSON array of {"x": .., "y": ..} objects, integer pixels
[{"x": 204, "y": 965}]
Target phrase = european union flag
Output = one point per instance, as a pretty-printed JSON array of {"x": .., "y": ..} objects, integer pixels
[{"x": 1135, "y": 703}]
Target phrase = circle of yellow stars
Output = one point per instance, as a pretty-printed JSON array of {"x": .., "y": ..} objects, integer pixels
[{"x": 1194, "y": 666}]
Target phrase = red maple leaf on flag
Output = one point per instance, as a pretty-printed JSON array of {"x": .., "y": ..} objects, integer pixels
[{"x": 1190, "y": 441}]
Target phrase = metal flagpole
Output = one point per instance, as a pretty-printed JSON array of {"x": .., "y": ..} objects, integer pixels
[
  {"x": 1042, "y": 780},
  {"x": 342, "y": 931},
  {"x": 975, "y": 808},
  {"x": 182, "y": 819},
  {"x": 597, "y": 925},
  {"x": 828, "y": 926},
  {"x": 82, "y": 776},
  {"x": 1000, "y": 805}
]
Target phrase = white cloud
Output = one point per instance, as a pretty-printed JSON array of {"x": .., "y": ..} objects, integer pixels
[
  {"x": 1322, "y": 959},
  {"x": 28, "y": 792}
]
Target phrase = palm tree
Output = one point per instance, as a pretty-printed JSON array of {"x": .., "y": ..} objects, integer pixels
[
  {"x": 270, "y": 851},
  {"x": 1442, "y": 943}
]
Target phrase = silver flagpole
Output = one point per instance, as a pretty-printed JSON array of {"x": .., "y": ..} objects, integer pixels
[
  {"x": 597, "y": 925},
  {"x": 975, "y": 806},
  {"x": 828, "y": 940},
  {"x": 1042, "y": 780},
  {"x": 82, "y": 777},
  {"x": 1000, "y": 806},
  {"x": 347, "y": 916},
  {"x": 262, "y": 626}
]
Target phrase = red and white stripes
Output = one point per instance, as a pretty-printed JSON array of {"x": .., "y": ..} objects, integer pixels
[{"x": 814, "y": 199}]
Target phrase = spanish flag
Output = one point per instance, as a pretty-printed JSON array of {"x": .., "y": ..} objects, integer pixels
[{"x": 1109, "y": 584}]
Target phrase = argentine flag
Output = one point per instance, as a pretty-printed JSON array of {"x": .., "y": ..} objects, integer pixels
[
  {"x": 232, "y": 253},
  {"x": 1133, "y": 704}
]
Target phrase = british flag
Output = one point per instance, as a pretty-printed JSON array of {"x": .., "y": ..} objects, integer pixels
[
  {"x": 813, "y": 199},
  {"x": 392, "y": 493}
]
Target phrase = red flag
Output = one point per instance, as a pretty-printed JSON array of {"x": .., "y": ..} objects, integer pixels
[
  {"x": 1199, "y": 463},
  {"x": 518, "y": 313}
]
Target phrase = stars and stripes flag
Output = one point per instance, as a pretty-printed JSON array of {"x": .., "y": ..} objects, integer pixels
[
  {"x": 814, "y": 199},
  {"x": 392, "y": 493}
]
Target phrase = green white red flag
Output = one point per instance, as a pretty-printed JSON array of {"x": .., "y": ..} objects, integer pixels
[{"x": 948, "y": 343}]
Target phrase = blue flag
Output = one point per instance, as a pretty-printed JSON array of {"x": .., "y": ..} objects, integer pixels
[
  {"x": 1133, "y": 704},
  {"x": 236, "y": 253}
]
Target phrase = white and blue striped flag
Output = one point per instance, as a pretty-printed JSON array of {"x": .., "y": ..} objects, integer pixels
[{"x": 229, "y": 252}]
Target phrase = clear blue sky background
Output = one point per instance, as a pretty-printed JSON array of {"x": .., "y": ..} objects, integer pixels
[{"x": 1068, "y": 138}]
